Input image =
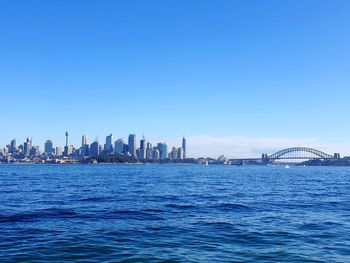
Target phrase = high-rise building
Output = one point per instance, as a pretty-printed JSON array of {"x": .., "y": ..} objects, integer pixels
[
  {"x": 184, "y": 147},
  {"x": 180, "y": 153},
  {"x": 94, "y": 149},
  {"x": 132, "y": 144},
  {"x": 48, "y": 148},
  {"x": 34, "y": 151},
  {"x": 109, "y": 144},
  {"x": 163, "y": 151},
  {"x": 13, "y": 146},
  {"x": 143, "y": 143},
  {"x": 174, "y": 154},
  {"x": 84, "y": 146},
  {"x": 119, "y": 146},
  {"x": 27, "y": 146},
  {"x": 155, "y": 154},
  {"x": 84, "y": 140},
  {"x": 149, "y": 153},
  {"x": 58, "y": 151}
]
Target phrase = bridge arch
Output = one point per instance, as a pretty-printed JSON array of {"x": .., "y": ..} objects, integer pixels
[{"x": 299, "y": 153}]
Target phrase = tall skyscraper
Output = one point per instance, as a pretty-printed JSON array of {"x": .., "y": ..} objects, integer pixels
[
  {"x": 84, "y": 146},
  {"x": 48, "y": 148},
  {"x": 184, "y": 148},
  {"x": 132, "y": 144},
  {"x": 94, "y": 149},
  {"x": 13, "y": 146},
  {"x": 27, "y": 146},
  {"x": 119, "y": 146},
  {"x": 143, "y": 143},
  {"x": 163, "y": 150},
  {"x": 109, "y": 144},
  {"x": 84, "y": 140}
]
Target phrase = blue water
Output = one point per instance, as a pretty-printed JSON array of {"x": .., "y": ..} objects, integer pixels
[{"x": 174, "y": 213}]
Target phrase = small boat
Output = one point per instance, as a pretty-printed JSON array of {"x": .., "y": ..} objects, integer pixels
[{"x": 287, "y": 167}]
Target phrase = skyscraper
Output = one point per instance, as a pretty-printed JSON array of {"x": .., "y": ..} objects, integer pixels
[
  {"x": 27, "y": 146},
  {"x": 119, "y": 146},
  {"x": 109, "y": 144},
  {"x": 84, "y": 140},
  {"x": 184, "y": 147},
  {"x": 132, "y": 144},
  {"x": 94, "y": 149},
  {"x": 13, "y": 146},
  {"x": 48, "y": 148},
  {"x": 163, "y": 150},
  {"x": 84, "y": 146}
]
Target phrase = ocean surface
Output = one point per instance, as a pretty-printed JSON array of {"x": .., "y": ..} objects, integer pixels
[{"x": 174, "y": 213}]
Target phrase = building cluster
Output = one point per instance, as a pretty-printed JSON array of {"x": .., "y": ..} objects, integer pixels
[{"x": 130, "y": 150}]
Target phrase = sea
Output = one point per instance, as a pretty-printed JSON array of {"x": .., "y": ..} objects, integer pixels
[{"x": 174, "y": 213}]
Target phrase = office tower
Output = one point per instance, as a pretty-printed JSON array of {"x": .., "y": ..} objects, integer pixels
[
  {"x": 119, "y": 146},
  {"x": 174, "y": 155},
  {"x": 70, "y": 150},
  {"x": 34, "y": 151},
  {"x": 13, "y": 146},
  {"x": 184, "y": 147},
  {"x": 143, "y": 143},
  {"x": 109, "y": 144},
  {"x": 84, "y": 146},
  {"x": 163, "y": 151},
  {"x": 48, "y": 148},
  {"x": 94, "y": 149},
  {"x": 155, "y": 154},
  {"x": 132, "y": 144},
  {"x": 58, "y": 151},
  {"x": 149, "y": 145},
  {"x": 27, "y": 146},
  {"x": 84, "y": 140},
  {"x": 142, "y": 154},
  {"x": 180, "y": 153},
  {"x": 149, "y": 153}
]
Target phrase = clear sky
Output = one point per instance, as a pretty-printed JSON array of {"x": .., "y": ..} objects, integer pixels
[{"x": 246, "y": 75}]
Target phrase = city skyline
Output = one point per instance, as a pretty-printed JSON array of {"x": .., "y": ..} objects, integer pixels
[
  {"x": 235, "y": 77},
  {"x": 109, "y": 151}
]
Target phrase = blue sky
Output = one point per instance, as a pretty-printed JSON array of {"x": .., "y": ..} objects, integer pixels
[{"x": 204, "y": 69}]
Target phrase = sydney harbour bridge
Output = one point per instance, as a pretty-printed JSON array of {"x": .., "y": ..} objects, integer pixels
[{"x": 294, "y": 153}]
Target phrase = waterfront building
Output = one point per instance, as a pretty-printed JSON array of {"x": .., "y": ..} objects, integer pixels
[
  {"x": 27, "y": 146},
  {"x": 34, "y": 151},
  {"x": 109, "y": 144},
  {"x": 149, "y": 153},
  {"x": 13, "y": 146},
  {"x": 155, "y": 154},
  {"x": 132, "y": 144},
  {"x": 143, "y": 143},
  {"x": 84, "y": 146},
  {"x": 94, "y": 149},
  {"x": 180, "y": 153},
  {"x": 174, "y": 155},
  {"x": 184, "y": 148},
  {"x": 141, "y": 153},
  {"x": 70, "y": 150},
  {"x": 163, "y": 150},
  {"x": 119, "y": 146},
  {"x": 48, "y": 147},
  {"x": 58, "y": 151}
]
